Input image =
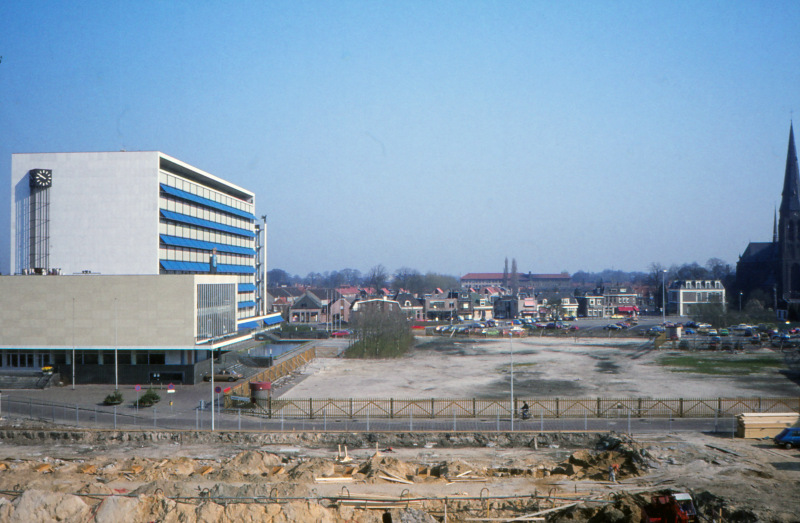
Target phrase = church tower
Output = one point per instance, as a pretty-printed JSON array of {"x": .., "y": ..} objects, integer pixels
[{"x": 789, "y": 229}]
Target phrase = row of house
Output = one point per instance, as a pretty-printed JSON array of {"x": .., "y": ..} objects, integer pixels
[{"x": 299, "y": 305}]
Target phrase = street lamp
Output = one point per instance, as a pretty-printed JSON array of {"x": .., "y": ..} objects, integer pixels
[
  {"x": 116, "y": 366},
  {"x": 512, "y": 381},
  {"x": 740, "y": 303},
  {"x": 73, "y": 343},
  {"x": 211, "y": 341},
  {"x": 663, "y": 296}
]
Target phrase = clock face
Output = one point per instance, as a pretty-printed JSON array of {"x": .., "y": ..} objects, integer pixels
[{"x": 41, "y": 178}]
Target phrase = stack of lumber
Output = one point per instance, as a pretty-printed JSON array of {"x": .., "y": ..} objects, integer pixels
[{"x": 761, "y": 425}]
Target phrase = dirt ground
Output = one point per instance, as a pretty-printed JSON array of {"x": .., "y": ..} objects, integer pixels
[
  {"x": 582, "y": 367},
  {"x": 750, "y": 480}
]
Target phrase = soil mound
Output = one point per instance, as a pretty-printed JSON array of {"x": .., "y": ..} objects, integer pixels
[{"x": 253, "y": 462}]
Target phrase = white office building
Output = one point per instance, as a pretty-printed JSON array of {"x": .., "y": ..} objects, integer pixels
[{"x": 135, "y": 213}]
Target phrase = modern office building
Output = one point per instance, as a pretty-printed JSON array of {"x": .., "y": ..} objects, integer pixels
[
  {"x": 135, "y": 213},
  {"x": 135, "y": 262}
]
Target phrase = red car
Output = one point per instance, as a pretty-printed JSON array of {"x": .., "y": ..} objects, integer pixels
[{"x": 340, "y": 334}]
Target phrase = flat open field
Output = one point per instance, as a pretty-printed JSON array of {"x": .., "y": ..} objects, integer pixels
[{"x": 586, "y": 367}]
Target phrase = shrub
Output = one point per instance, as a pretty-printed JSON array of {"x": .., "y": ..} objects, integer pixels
[{"x": 115, "y": 398}]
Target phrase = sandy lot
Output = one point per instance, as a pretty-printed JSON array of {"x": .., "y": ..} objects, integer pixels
[{"x": 583, "y": 367}]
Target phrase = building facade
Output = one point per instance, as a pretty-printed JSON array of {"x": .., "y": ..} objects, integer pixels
[
  {"x": 145, "y": 328},
  {"x": 135, "y": 213},
  {"x": 684, "y": 295}
]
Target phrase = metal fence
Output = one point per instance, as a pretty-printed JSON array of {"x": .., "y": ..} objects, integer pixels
[
  {"x": 476, "y": 408},
  {"x": 395, "y": 416}
]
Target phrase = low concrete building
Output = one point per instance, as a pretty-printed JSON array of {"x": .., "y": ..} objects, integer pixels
[{"x": 160, "y": 327}]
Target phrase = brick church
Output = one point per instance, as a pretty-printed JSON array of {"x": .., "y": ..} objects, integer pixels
[{"x": 774, "y": 267}]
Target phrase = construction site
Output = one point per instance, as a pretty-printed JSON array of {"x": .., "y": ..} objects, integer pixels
[{"x": 398, "y": 474}]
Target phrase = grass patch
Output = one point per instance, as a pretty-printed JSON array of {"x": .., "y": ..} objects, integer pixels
[{"x": 722, "y": 365}]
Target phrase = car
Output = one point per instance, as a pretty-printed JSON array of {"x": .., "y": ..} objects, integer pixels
[
  {"x": 712, "y": 332},
  {"x": 340, "y": 334},
  {"x": 612, "y": 327},
  {"x": 224, "y": 375},
  {"x": 689, "y": 331},
  {"x": 788, "y": 437},
  {"x": 724, "y": 332}
]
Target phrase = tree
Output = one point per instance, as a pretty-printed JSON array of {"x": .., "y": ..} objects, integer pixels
[
  {"x": 505, "y": 274},
  {"x": 514, "y": 277},
  {"x": 718, "y": 269},
  {"x": 277, "y": 277},
  {"x": 376, "y": 278},
  {"x": 405, "y": 278},
  {"x": 379, "y": 333},
  {"x": 351, "y": 276}
]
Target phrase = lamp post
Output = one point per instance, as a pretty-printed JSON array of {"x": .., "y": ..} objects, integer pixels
[
  {"x": 116, "y": 362},
  {"x": 512, "y": 381},
  {"x": 211, "y": 341},
  {"x": 73, "y": 343},
  {"x": 740, "y": 303},
  {"x": 663, "y": 296}
]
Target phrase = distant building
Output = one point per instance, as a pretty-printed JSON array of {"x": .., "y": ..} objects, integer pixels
[
  {"x": 478, "y": 280},
  {"x": 684, "y": 295}
]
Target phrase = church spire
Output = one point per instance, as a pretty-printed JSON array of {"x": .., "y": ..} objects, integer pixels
[
  {"x": 791, "y": 181},
  {"x": 775, "y": 227}
]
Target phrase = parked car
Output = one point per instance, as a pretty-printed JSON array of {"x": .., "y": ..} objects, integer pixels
[
  {"x": 340, "y": 334},
  {"x": 612, "y": 327},
  {"x": 788, "y": 437},
  {"x": 724, "y": 332},
  {"x": 712, "y": 332},
  {"x": 224, "y": 375},
  {"x": 689, "y": 331}
]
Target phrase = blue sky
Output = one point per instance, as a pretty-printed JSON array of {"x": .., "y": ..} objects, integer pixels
[{"x": 442, "y": 136}]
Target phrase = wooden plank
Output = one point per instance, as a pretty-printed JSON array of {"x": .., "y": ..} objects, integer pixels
[
  {"x": 722, "y": 449},
  {"x": 44, "y": 467},
  {"x": 278, "y": 470},
  {"x": 206, "y": 470},
  {"x": 87, "y": 469},
  {"x": 334, "y": 480},
  {"x": 3, "y": 466},
  {"x": 396, "y": 480},
  {"x": 464, "y": 473},
  {"x": 540, "y": 513}
]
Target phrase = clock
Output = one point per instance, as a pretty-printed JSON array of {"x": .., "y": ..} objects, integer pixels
[{"x": 41, "y": 177}]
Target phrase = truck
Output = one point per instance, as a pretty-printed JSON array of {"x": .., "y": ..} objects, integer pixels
[{"x": 670, "y": 508}]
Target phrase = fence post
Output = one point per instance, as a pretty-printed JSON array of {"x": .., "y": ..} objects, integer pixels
[
  {"x": 433, "y": 409},
  {"x": 598, "y": 407},
  {"x": 269, "y": 407},
  {"x": 639, "y": 408},
  {"x": 680, "y": 407},
  {"x": 498, "y": 420},
  {"x": 716, "y": 412},
  {"x": 474, "y": 409},
  {"x": 411, "y": 420},
  {"x": 196, "y": 417},
  {"x": 310, "y": 408},
  {"x": 281, "y": 420},
  {"x": 557, "y": 414},
  {"x": 391, "y": 408},
  {"x": 351, "y": 408},
  {"x": 325, "y": 417}
]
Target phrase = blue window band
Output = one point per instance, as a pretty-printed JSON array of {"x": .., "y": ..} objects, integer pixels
[
  {"x": 183, "y": 195},
  {"x": 205, "y": 246},
  {"x": 191, "y": 220}
]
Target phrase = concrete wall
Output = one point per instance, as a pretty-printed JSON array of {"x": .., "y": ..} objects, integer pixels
[
  {"x": 103, "y": 210},
  {"x": 151, "y": 311}
]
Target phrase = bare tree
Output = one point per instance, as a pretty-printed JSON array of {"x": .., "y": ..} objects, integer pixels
[
  {"x": 376, "y": 277},
  {"x": 405, "y": 278}
]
